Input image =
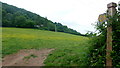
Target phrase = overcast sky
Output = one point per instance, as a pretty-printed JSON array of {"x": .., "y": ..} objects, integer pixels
[{"x": 76, "y": 14}]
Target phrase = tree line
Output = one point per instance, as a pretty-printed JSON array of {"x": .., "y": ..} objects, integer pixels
[{"x": 21, "y": 18}]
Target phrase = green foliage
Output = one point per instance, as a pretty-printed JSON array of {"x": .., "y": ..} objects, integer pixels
[
  {"x": 116, "y": 41},
  {"x": 98, "y": 52},
  {"x": 17, "y": 17}
]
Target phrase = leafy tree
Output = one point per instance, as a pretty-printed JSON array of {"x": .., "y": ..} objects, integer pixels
[{"x": 20, "y": 21}]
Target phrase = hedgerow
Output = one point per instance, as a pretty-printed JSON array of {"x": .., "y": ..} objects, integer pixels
[{"x": 97, "y": 57}]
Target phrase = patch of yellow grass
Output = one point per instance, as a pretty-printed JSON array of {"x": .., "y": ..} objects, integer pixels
[{"x": 23, "y": 36}]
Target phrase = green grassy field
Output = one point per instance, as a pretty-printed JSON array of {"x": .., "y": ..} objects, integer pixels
[{"x": 70, "y": 50}]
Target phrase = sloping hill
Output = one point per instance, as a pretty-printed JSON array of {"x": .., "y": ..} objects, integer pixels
[
  {"x": 69, "y": 49},
  {"x": 17, "y": 17}
]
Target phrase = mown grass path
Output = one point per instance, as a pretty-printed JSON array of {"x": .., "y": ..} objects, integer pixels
[{"x": 69, "y": 49}]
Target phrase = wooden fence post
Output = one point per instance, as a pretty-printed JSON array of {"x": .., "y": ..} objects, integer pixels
[
  {"x": 55, "y": 28},
  {"x": 111, "y": 11}
]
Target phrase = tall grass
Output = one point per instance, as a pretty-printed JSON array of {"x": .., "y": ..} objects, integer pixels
[{"x": 69, "y": 49}]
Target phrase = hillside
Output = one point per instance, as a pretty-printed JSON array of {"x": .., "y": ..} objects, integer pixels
[
  {"x": 70, "y": 49},
  {"x": 21, "y": 18}
]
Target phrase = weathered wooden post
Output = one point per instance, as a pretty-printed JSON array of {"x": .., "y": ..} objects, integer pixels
[
  {"x": 111, "y": 11},
  {"x": 55, "y": 28}
]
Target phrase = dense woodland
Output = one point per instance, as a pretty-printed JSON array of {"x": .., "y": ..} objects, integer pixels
[{"x": 21, "y": 18}]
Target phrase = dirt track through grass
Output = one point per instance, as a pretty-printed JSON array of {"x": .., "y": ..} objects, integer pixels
[{"x": 27, "y": 58}]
